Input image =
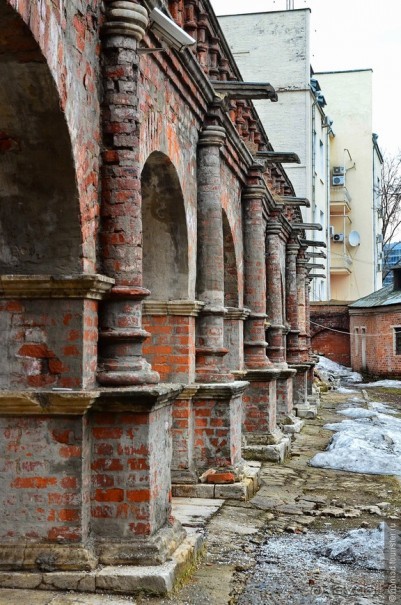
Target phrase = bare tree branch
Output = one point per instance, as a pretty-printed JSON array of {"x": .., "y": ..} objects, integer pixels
[{"x": 390, "y": 193}]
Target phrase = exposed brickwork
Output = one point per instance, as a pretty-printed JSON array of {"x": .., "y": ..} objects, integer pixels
[
  {"x": 331, "y": 337},
  {"x": 45, "y": 480},
  {"x": 130, "y": 494},
  {"x": 260, "y": 408},
  {"x": 217, "y": 432},
  {"x": 51, "y": 343},
  {"x": 171, "y": 346},
  {"x": 374, "y": 353}
]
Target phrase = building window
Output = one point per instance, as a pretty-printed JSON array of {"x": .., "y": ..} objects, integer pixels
[
  {"x": 397, "y": 340},
  {"x": 356, "y": 340}
]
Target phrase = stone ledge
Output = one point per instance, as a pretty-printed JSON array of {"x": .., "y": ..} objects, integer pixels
[
  {"x": 217, "y": 390},
  {"x": 187, "y": 308},
  {"x": 273, "y": 453},
  {"x": 55, "y": 286},
  {"x": 262, "y": 375},
  {"x": 309, "y": 412},
  {"x": 235, "y": 313},
  {"x": 290, "y": 424},
  {"x": 70, "y": 403},
  {"x": 156, "y": 579}
]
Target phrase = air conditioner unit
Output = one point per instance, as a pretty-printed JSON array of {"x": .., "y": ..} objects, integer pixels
[
  {"x": 339, "y": 180},
  {"x": 338, "y": 237},
  {"x": 338, "y": 170}
]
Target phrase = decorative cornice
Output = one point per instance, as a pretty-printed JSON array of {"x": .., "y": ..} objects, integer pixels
[
  {"x": 240, "y": 314},
  {"x": 55, "y": 286},
  {"x": 54, "y": 403},
  {"x": 188, "y": 392},
  {"x": 189, "y": 308},
  {"x": 221, "y": 390},
  {"x": 125, "y": 18}
]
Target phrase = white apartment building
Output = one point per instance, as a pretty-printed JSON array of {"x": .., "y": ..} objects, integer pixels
[
  {"x": 355, "y": 206},
  {"x": 275, "y": 47},
  {"x": 326, "y": 118}
]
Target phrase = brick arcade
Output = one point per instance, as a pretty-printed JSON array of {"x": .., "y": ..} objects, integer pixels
[{"x": 154, "y": 289}]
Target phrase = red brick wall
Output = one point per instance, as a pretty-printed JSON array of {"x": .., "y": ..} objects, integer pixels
[
  {"x": 171, "y": 346},
  {"x": 48, "y": 343},
  {"x": 259, "y": 416},
  {"x": 50, "y": 504},
  {"x": 217, "y": 432},
  {"x": 331, "y": 337},
  {"x": 380, "y": 352},
  {"x": 130, "y": 494}
]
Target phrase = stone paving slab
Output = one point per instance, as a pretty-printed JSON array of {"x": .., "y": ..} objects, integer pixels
[
  {"x": 31, "y": 597},
  {"x": 195, "y": 512}
]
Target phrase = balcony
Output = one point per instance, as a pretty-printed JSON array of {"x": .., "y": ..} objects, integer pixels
[
  {"x": 340, "y": 200},
  {"x": 340, "y": 262}
]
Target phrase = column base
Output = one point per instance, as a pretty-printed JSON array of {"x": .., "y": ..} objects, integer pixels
[
  {"x": 271, "y": 453},
  {"x": 290, "y": 424},
  {"x": 153, "y": 579},
  {"x": 243, "y": 486},
  {"x": 307, "y": 411}
]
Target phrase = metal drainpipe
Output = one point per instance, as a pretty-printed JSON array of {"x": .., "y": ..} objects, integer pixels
[
  {"x": 374, "y": 223},
  {"x": 328, "y": 240},
  {"x": 314, "y": 286}
]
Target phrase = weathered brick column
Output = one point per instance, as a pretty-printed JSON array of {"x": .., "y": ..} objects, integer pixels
[
  {"x": 291, "y": 293},
  {"x": 255, "y": 277},
  {"x": 210, "y": 349},
  {"x": 276, "y": 331},
  {"x": 121, "y": 334},
  {"x": 285, "y": 382},
  {"x": 262, "y": 438},
  {"x": 302, "y": 366}
]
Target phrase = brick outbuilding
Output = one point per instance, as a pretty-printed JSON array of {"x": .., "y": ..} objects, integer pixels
[
  {"x": 154, "y": 286},
  {"x": 375, "y": 324}
]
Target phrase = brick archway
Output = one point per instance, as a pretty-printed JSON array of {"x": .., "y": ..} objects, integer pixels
[
  {"x": 165, "y": 238},
  {"x": 39, "y": 205}
]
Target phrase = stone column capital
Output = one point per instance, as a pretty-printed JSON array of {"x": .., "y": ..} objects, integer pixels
[
  {"x": 273, "y": 228},
  {"x": 212, "y": 136},
  {"x": 292, "y": 248},
  {"x": 252, "y": 192},
  {"x": 125, "y": 18}
]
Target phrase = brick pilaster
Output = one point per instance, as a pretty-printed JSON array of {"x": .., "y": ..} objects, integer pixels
[
  {"x": 291, "y": 294},
  {"x": 210, "y": 349},
  {"x": 276, "y": 346},
  {"x": 255, "y": 277},
  {"x": 121, "y": 334}
]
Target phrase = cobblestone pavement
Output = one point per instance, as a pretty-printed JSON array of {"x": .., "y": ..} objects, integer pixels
[{"x": 263, "y": 552}]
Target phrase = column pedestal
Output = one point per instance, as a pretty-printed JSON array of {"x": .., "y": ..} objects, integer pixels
[
  {"x": 262, "y": 439},
  {"x": 301, "y": 404},
  {"x": 286, "y": 417}
]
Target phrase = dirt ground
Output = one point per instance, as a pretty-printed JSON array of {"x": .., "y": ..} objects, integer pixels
[{"x": 263, "y": 552}]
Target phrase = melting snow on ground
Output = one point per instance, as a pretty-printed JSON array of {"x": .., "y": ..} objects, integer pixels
[
  {"x": 363, "y": 547},
  {"x": 368, "y": 441},
  {"x": 328, "y": 366},
  {"x": 389, "y": 384}
]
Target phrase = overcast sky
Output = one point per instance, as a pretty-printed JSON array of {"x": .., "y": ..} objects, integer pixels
[{"x": 352, "y": 34}]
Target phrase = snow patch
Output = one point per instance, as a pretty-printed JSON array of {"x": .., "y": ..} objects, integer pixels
[
  {"x": 365, "y": 443},
  {"x": 361, "y": 547},
  {"x": 390, "y": 384}
]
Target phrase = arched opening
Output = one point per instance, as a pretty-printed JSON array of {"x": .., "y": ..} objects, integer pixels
[
  {"x": 165, "y": 238},
  {"x": 230, "y": 266},
  {"x": 39, "y": 206}
]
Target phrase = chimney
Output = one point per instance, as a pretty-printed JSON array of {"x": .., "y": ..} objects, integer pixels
[{"x": 397, "y": 278}]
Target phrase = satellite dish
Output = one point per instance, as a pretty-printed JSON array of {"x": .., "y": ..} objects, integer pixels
[{"x": 354, "y": 239}]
